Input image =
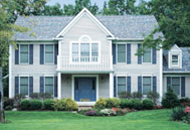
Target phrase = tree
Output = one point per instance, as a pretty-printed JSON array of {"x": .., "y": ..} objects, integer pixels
[{"x": 55, "y": 10}]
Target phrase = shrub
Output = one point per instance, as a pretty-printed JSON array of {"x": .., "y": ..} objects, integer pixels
[
  {"x": 35, "y": 104},
  {"x": 70, "y": 105},
  {"x": 136, "y": 104},
  {"x": 59, "y": 105},
  {"x": 112, "y": 102},
  {"x": 44, "y": 96},
  {"x": 153, "y": 96},
  {"x": 18, "y": 99},
  {"x": 185, "y": 101},
  {"x": 119, "y": 112},
  {"x": 170, "y": 99},
  {"x": 9, "y": 104},
  {"x": 147, "y": 104},
  {"x": 100, "y": 103},
  {"x": 48, "y": 104},
  {"x": 25, "y": 104},
  {"x": 186, "y": 119},
  {"x": 125, "y": 95},
  {"x": 108, "y": 112},
  {"x": 90, "y": 113},
  {"x": 35, "y": 96},
  {"x": 177, "y": 113},
  {"x": 137, "y": 95},
  {"x": 125, "y": 103}
]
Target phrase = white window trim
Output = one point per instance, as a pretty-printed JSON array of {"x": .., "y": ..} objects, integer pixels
[
  {"x": 117, "y": 53},
  {"x": 45, "y": 55},
  {"x": 20, "y": 54},
  {"x": 49, "y": 76},
  {"x": 150, "y": 58},
  {"x": 79, "y": 42},
  {"x": 177, "y": 59},
  {"x": 24, "y": 76},
  {"x": 170, "y": 65},
  {"x": 151, "y": 78}
]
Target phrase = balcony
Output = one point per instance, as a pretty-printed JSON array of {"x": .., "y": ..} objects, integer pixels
[{"x": 84, "y": 64}]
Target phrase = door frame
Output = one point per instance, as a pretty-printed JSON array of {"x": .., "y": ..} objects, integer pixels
[{"x": 73, "y": 84}]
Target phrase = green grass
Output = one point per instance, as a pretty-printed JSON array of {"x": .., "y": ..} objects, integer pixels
[{"x": 143, "y": 120}]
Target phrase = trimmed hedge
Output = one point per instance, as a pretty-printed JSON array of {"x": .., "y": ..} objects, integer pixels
[
  {"x": 25, "y": 104},
  {"x": 100, "y": 103},
  {"x": 65, "y": 105},
  {"x": 148, "y": 104},
  {"x": 35, "y": 104},
  {"x": 112, "y": 102},
  {"x": 48, "y": 104}
]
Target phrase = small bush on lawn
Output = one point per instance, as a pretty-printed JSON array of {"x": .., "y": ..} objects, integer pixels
[
  {"x": 35, "y": 96},
  {"x": 70, "y": 105},
  {"x": 90, "y": 113},
  {"x": 25, "y": 104},
  {"x": 137, "y": 104},
  {"x": 48, "y": 104},
  {"x": 127, "y": 95},
  {"x": 153, "y": 96},
  {"x": 137, "y": 95},
  {"x": 100, "y": 103},
  {"x": 9, "y": 104},
  {"x": 148, "y": 104},
  {"x": 108, "y": 112},
  {"x": 177, "y": 113},
  {"x": 125, "y": 103},
  {"x": 112, "y": 102},
  {"x": 35, "y": 104},
  {"x": 170, "y": 99},
  {"x": 120, "y": 112},
  {"x": 59, "y": 105}
]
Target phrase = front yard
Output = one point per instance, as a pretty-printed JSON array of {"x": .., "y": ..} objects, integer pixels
[{"x": 142, "y": 120}]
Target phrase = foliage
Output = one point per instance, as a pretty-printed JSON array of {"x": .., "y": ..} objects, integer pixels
[
  {"x": 100, "y": 103},
  {"x": 125, "y": 103},
  {"x": 90, "y": 113},
  {"x": 137, "y": 95},
  {"x": 25, "y": 105},
  {"x": 108, "y": 112},
  {"x": 65, "y": 104},
  {"x": 8, "y": 104},
  {"x": 18, "y": 99},
  {"x": 186, "y": 119},
  {"x": 112, "y": 102},
  {"x": 44, "y": 96},
  {"x": 126, "y": 94},
  {"x": 147, "y": 104},
  {"x": 48, "y": 104},
  {"x": 184, "y": 100},
  {"x": 137, "y": 104},
  {"x": 154, "y": 96},
  {"x": 59, "y": 105},
  {"x": 119, "y": 111},
  {"x": 35, "y": 96},
  {"x": 35, "y": 104},
  {"x": 170, "y": 100},
  {"x": 177, "y": 113}
]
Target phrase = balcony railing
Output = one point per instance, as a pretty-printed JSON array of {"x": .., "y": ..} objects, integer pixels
[{"x": 84, "y": 63}]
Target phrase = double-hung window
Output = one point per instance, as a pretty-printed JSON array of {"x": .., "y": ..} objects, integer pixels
[
  {"x": 175, "y": 85},
  {"x": 147, "y": 55},
  {"x": 24, "y": 54},
  {"x": 85, "y": 52},
  {"x": 121, "y": 86},
  {"x": 49, "y": 53},
  {"x": 147, "y": 85},
  {"x": 49, "y": 85},
  {"x": 24, "y": 86},
  {"x": 175, "y": 60},
  {"x": 121, "y": 51},
  {"x": 75, "y": 52},
  {"x": 94, "y": 57}
]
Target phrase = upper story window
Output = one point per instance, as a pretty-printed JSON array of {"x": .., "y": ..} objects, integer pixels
[
  {"x": 49, "y": 53},
  {"x": 24, "y": 86},
  {"x": 147, "y": 55},
  {"x": 85, "y": 50},
  {"x": 121, "y": 57},
  {"x": 24, "y": 54},
  {"x": 146, "y": 85},
  {"x": 175, "y": 60}
]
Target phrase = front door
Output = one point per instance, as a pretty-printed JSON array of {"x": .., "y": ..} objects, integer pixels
[{"x": 85, "y": 89}]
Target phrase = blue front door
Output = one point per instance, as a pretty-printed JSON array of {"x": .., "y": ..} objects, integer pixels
[{"x": 85, "y": 89}]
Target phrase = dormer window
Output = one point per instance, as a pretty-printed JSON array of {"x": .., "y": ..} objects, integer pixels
[{"x": 175, "y": 59}]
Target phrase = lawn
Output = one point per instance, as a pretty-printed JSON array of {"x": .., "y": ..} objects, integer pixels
[{"x": 143, "y": 120}]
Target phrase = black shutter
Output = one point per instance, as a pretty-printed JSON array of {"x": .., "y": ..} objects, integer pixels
[
  {"x": 17, "y": 55},
  {"x": 114, "y": 53},
  {"x": 41, "y": 84},
  {"x": 41, "y": 54},
  {"x": 115, "y": 83},
  {"x": 128, "y": 53},
  {"x": 140, "y": 84},
  {"x": 30, "y": 85},
  {"x": 129, "y": 84},
  {"x": 154, "y": 84},
  {"x": 16, "y": 85},
  {"x": 55, "y": 86},
  {"x": 31, "y": 54},
  {"x": 139, "y": 56},
  {"x": 153, "y": 56},
  {"x": 55, "y": 52},
  {"x": 182, "y": 86}
]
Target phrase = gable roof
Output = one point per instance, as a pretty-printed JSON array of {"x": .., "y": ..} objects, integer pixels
[
  {"x": 124, "y": 27},
  {"x": 185, "y": 61}
]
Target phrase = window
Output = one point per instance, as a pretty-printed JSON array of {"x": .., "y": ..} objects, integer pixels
[
  {"x": 49, "y": 54},
  {"x": 175, "y": 85},
  {"x": 147, "y": 56},
  {"x": 121, "y": 84},
  {"x": 24, "y": 83},
  {"x": 24, "y": 54},
  {"x": 146, "y": 85},
  {"x": 85, "y": 52},
  {"x": 94, "y": 52},
  {"x": 49, "y": 85},
  {"x": 75, "y": 52},
  {"x": 174, "y": 59},
  {"x": 121, "y": 53}
]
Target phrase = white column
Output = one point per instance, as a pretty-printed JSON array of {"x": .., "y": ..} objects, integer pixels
[
  {"x": 111, "y": 84},
  {"x": 10, "y": 72},
  {"x": 161, "y": 74},
  {"x": 59, "y": 85}
]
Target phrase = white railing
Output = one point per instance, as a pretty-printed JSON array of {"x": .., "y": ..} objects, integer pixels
[{"x": 84, "y": 63}]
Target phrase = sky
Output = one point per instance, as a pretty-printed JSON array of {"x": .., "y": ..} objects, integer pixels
[{"x": 98, "y": 2}]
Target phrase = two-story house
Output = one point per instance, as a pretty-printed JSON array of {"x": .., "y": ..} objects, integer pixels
[{"x": 88, "y": 57}]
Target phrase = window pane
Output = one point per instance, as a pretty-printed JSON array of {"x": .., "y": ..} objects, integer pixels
[
  {"x": 48, "y": 53},
  {"x": 146, "y": 85},
  {"x": 174, "y": 59},
  {"x": 49, "y": 85},
  {"x": 121, "y": 53},
  {"x": 147, "y": 56},
  {"x": 176, "y": 85},
  {"x": 24, "y": 85},
  {"x": 94, "y": 51},
  {"x": 23, "y": 53},
  {"x": 48, "y": 48},
  {"x": 24, "y": 48},
  {"x": 75, "y": 52},
  {"x": 121, "y": 84},
  {"x": 85, "y": 52}
]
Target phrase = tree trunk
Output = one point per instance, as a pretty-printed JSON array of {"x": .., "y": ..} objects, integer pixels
[{"x": 2, "y": 102}]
